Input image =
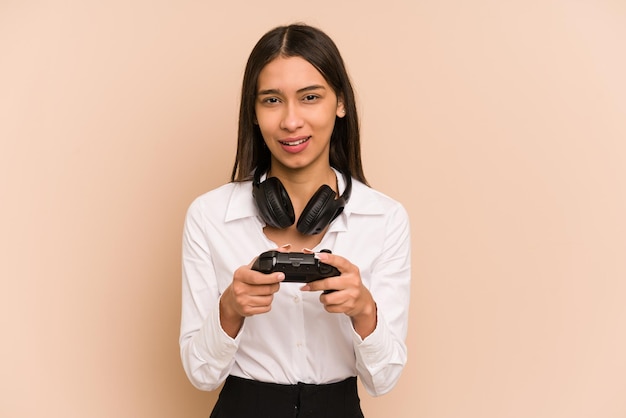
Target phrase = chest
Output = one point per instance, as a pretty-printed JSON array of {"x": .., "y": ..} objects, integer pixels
[
  {"x": 361, "y": 240},
  {"x": 292, "y": 237}
]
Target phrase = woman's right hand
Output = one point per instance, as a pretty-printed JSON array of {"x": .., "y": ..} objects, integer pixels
[{"x": 250, "y": 293}]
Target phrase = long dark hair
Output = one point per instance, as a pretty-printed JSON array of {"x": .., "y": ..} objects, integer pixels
[{"x": 318, "y": 49}]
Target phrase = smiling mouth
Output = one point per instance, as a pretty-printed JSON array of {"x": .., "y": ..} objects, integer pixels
[{"x": 296, "y": 142}]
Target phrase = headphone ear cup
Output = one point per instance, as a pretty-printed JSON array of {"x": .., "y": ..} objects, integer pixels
[
  {"x": 274, "y": 204},
  {"x": 319, "y": 211}
]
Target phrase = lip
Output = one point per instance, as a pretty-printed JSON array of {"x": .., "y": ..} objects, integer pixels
[{"x": 296, "y": 144}]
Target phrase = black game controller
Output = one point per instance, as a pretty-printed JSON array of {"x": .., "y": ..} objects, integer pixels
[{"x": 298, "y": 267}]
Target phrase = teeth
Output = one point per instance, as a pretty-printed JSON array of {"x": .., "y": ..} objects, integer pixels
[{"x": 293, "y": 144}]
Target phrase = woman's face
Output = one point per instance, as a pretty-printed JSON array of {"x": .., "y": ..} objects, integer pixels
[{"x": 296, "y": 109}]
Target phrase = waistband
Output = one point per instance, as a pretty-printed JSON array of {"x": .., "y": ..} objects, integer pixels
[
  {"x": 295, "y": 388},
  {"x": 242, "y": 398}
]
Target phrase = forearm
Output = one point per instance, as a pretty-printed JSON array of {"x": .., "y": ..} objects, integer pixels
[
  {"x": 365, "y": 322},
  {"x": 230, "y": 321}
]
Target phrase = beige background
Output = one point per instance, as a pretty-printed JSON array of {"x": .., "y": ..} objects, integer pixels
[{"x": 501, "y": 125}]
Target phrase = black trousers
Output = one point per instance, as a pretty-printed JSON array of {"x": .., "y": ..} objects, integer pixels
[{"x": 244, "y": 398}]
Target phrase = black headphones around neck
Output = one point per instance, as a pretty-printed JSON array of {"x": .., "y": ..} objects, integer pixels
[{"x": 276, "y": 208}]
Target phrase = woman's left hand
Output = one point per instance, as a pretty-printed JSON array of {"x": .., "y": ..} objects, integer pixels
[{"x": 346, "y": 294}]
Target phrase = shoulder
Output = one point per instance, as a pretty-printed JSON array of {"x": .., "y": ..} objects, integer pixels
[
  {"x": 366, "y": 200},
  {"x": 222, "y": 192},
  {"x": 220, "y": 199}
]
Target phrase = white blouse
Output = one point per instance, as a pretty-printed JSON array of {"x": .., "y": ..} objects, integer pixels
[{"x": 297, "y": 341}]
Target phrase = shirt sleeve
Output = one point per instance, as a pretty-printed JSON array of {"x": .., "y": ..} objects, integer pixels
[
  {"x": 207, "y": 352},
  {"x": 381, "y": 356}
]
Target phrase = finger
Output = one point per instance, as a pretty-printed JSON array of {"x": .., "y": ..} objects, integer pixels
[
  {"x": 334, "y": 302},
  {"x": 284, "y": 248},
  {"x": 327, "y": 285},
  {"x": 246, "y": 275},
  {"x": 263, "y": 290},
  {"x": 338, "y": 261},
  {"x": 258, "y": 279},
  {"x": 257, "y": 305}
]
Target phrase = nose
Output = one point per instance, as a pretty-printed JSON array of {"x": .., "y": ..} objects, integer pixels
[{"x": 291, "y": 120}]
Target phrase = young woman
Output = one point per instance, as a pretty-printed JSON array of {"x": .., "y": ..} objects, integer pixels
[{"x": 288, "y": 349}]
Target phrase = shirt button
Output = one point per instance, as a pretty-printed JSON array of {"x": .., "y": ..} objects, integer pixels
[{"x": 296, "y": 299}]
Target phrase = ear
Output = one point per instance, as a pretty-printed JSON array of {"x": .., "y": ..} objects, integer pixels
[{"x": 341, "y": 110}]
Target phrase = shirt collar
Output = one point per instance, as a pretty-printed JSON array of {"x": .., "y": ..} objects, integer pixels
[
  {"x": 363, "y": 201},
  {"x": 241, "y": 203}
]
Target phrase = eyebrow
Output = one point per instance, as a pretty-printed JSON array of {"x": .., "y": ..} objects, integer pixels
[{"x": 302, "y": 90}]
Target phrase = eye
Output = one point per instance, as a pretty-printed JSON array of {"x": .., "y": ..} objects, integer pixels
[
  {"x": 270, "y": 100},
  {"x": 310, "y": 98}
]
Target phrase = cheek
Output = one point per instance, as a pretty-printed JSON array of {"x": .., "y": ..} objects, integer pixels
[
  {"x": 266, "y": 123},
  {"x": 326, "y": 122},
  {"x": 265, "y": 134}
]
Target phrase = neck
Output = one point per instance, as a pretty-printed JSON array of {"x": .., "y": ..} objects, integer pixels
[{"x": 302, "y": 184}]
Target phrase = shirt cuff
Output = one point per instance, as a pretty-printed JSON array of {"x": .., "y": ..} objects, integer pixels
[
  {"x": 373, "y": 351},
  {"x": 215, "y": 345}
]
